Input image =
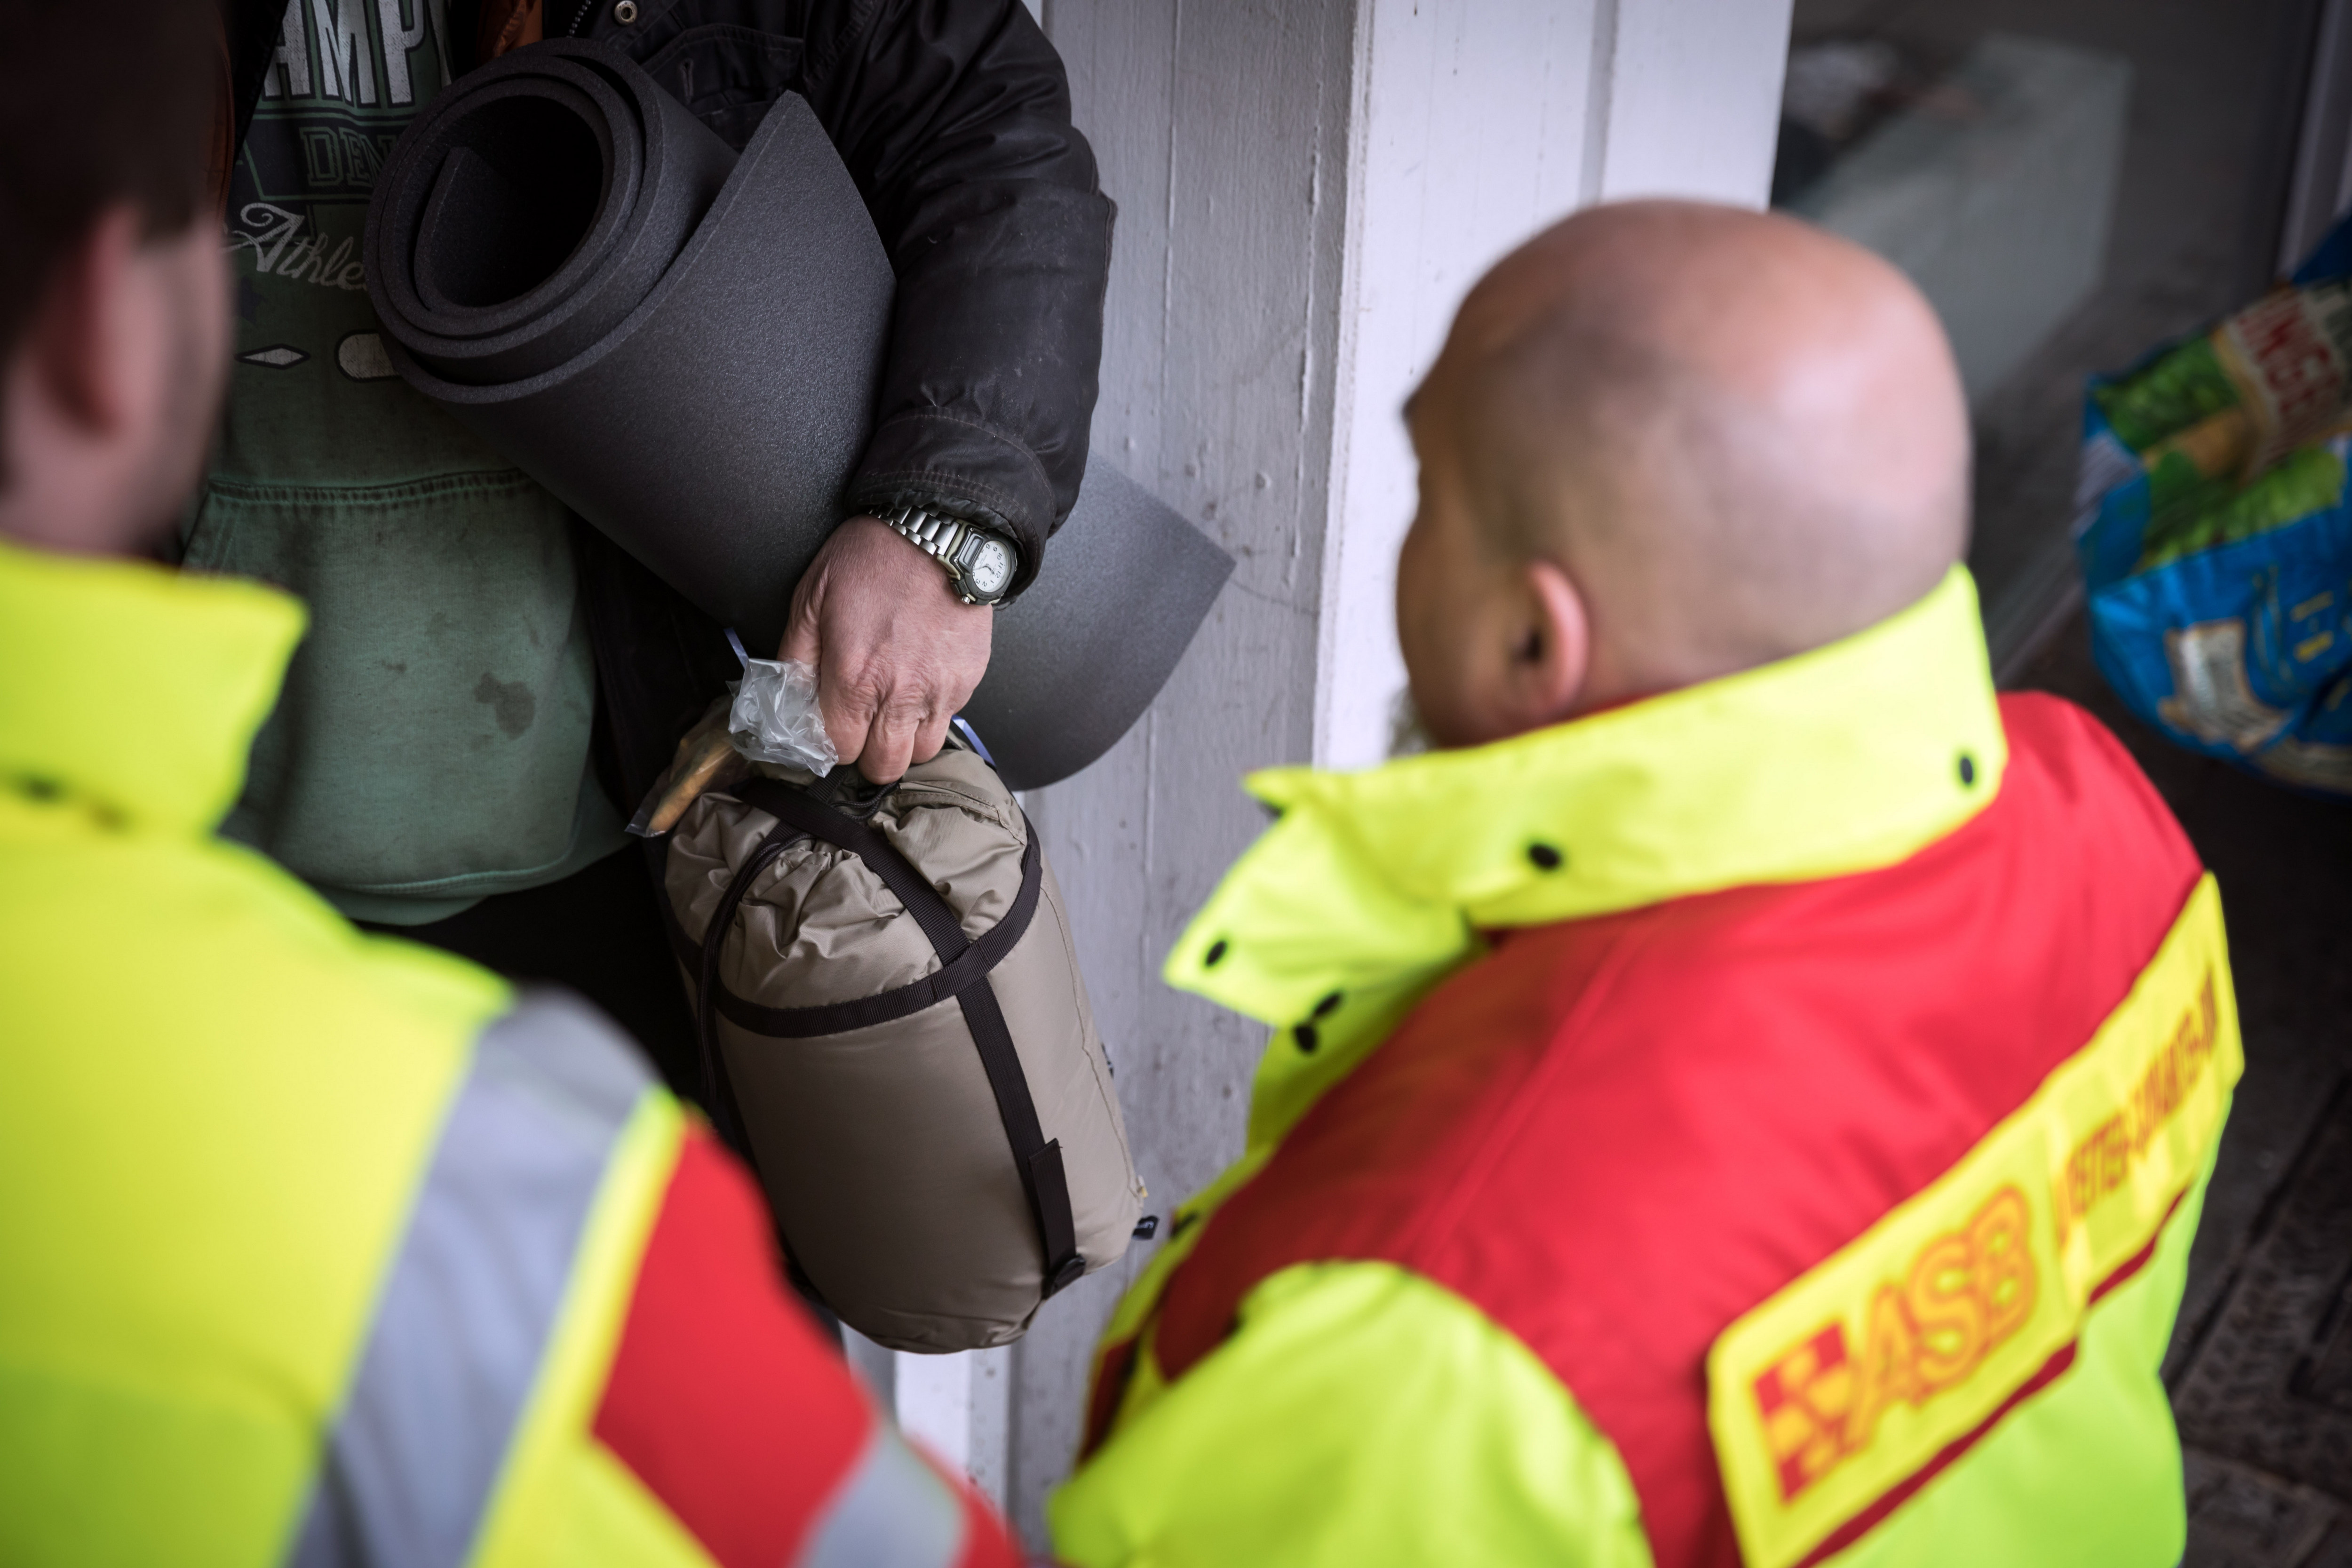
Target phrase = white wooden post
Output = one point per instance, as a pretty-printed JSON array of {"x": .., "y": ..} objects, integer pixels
[{"x": 959, "y": 1407}]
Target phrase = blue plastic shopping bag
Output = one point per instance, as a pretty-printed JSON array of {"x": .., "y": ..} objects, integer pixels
[{"x": 2216, "y": 535}]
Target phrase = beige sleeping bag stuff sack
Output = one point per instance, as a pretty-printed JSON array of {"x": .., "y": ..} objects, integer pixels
[{"x": 893, "y": 1022}]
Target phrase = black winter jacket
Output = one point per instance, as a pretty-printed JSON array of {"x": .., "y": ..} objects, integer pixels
[{"x": 954, "y": 116}]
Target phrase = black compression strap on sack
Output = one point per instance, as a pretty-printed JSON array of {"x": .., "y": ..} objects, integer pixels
[
  {"x": 718, "y": 1093},
  {"x": 1043, "y": 1179},
  {"x": 864, "y": 1011},
  {"x": 949, "y": 980}
]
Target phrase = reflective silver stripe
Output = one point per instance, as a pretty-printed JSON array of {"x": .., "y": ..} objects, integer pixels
[
  {"x": 470, "y": 1301},
  {"x": 894, "y": 1511}
]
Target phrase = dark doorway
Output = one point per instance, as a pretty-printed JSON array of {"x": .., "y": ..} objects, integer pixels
[{"x": 2072, "y": 181}]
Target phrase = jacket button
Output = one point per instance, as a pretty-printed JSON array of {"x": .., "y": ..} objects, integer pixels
[
  {"x": 1546, "y": 858},
  {"x": 1307, "y": 1038},
  {"x": 1968, "y": 769},
  {"x": 1215, "y": 955},
  {"x": 626, "y": 12}
]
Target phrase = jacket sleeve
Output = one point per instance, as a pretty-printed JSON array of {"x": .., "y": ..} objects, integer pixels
[
  {"x": 726, "y": 1404},
  {"x": 1359, "y": 1415},
  {"x": 954, "y": 116}
]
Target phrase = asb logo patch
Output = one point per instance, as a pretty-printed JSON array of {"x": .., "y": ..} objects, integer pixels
[
  {"x": 1855, "y": 1385},
  {"x": 1966, "y": 1292}
]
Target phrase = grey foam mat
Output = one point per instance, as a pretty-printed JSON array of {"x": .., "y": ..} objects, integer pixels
[
  {"x": 1080, "y": 656},
  {"x": 684, "y": 345}
]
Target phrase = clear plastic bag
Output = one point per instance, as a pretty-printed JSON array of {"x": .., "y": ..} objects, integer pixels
[
  {"x": 775, "y": 718},
  {"x": 770, "y": 716}
]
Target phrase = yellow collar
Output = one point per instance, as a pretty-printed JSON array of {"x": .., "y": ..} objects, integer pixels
[
  {"x": 1844, "y": 759},
  {"x": 134, "y": 688}
]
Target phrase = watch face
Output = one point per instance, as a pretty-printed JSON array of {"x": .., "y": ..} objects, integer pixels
[{"x": 990, "y": 568}]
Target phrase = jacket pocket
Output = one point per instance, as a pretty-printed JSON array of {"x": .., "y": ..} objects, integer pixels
[
  {"x": 727, "y": 75},
  {"x": 433, "y": 733}
]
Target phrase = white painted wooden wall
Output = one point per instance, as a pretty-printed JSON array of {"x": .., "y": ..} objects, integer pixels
[{"x": 1306, "y": 190}]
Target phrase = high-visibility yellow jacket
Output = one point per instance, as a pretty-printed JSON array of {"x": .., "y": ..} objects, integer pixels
[
  {"x": 1761, "y": 1124},
  {"x": 321, "y": 1249}
]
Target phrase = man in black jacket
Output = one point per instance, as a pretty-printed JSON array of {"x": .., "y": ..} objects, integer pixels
[{"x": 430, "y": 766}]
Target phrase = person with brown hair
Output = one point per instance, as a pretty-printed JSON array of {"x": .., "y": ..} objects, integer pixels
[{"x": 316, "y": 1247}]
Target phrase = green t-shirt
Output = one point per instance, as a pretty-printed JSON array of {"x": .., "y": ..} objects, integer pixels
[{"x": 432, "y": 744}]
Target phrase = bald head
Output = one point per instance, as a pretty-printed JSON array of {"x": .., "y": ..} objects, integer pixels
[{"x": 1737, "y": 437}]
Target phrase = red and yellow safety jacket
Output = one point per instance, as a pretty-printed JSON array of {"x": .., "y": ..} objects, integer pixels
[
  {"x": 322, "y": 1248},
  {"x": 1763, "y": 1124}
]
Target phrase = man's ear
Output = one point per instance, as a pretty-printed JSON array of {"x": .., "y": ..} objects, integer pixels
[
  {"x": 81, "y": 339},
  {"x": 1552, "y": 649}
]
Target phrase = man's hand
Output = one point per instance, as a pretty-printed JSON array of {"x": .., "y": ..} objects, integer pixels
[{"x": 897, "y": 652}]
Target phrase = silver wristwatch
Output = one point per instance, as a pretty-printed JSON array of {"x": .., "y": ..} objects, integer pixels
[{"x": 979, "y": 564}]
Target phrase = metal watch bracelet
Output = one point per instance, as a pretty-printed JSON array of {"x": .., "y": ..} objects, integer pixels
[{"x": 943, "y": 539}]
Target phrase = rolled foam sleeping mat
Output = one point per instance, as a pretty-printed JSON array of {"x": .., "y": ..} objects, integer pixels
[
  {"x": 684, "y": 344},
  {"x": 1079, "y": 655}
]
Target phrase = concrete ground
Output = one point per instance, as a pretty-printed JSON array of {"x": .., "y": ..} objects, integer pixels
[{"x": 2261, "y": 1367}]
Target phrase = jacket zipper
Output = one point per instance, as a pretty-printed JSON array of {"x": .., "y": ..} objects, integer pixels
[{"x": 580, "y": 18}]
